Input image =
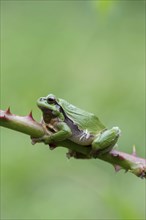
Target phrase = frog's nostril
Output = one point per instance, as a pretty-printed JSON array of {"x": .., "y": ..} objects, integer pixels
[{"x": 41, "y": 99}]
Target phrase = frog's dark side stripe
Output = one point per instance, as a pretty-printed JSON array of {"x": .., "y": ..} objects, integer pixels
[{"x": 78, "y": 136}]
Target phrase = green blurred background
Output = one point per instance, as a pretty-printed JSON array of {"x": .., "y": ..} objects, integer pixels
[{"x": 90, "y": 53}]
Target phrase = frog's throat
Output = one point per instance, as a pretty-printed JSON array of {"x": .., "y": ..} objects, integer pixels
[{"x": 47, "y": 115}]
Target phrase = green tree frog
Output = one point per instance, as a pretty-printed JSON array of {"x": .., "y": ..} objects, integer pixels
[{"x": 66, "y": 121}]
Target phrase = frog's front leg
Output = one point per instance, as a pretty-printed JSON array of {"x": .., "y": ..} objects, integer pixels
[
  {"x": 105, "y": 141},
  {"x": 63, "y": 132}
]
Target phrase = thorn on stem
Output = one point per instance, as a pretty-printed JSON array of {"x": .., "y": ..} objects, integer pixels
[
  {"x": 8, "y": 112},
  {"x": 30, "y": 116},
  {"x": 134, "y": 151},
  {"x": 117, "y": 168}
]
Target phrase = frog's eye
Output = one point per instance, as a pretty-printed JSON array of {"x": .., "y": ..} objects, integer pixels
[{"x": 51, "y": 100}]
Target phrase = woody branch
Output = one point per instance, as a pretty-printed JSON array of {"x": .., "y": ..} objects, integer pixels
[{"x": 120, "y": 160}]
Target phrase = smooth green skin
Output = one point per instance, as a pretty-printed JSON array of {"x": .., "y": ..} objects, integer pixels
[{"x": 93, "y": 131}]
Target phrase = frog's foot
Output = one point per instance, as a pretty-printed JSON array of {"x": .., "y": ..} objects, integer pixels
[
  {"x": 36, "y": 140},
  {"x": 97, "y": 153},
  {"x": 77, "y": 155},
  {"x": 52, "y": 146},
  {"x": 45, "y": 139},
  {"x": 105, "y": 141},
  {"x": 81, "y": 156}
]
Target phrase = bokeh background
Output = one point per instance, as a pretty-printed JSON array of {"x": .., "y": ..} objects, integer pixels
[{"x": 90, "y": 53}]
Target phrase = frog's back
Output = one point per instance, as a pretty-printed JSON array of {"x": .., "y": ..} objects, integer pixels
[{"x": 84, "y": 120}]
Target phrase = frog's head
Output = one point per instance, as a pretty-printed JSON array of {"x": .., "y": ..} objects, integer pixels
[{"x": 50, "y": 106}]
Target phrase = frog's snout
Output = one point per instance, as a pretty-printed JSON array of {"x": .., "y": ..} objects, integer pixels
[
  {"x": 41, "y": 99},
  {"x": 116, "y": 130}
]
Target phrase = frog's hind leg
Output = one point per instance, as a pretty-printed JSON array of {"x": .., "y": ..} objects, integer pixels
[{"x": 105, "y": 141}]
